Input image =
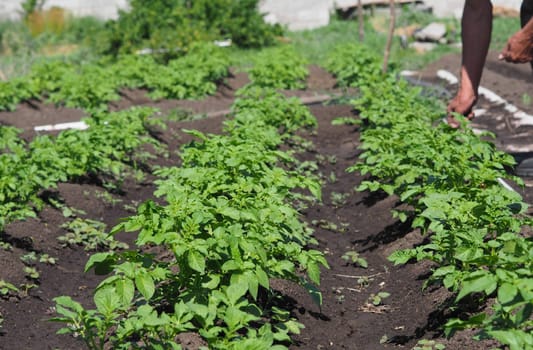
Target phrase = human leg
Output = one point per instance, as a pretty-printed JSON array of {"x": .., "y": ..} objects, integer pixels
[{"x": 476, "y": 31}]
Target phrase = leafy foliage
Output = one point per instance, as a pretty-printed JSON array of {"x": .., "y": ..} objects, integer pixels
[
  {"x": 354, "y": 65},
  {"x": 171, "y": 26},
  {"x": 106, "y": 148},
  {"x": 227, "y": 227},
  {"x": 90, "y": 234},
  {"x": 450, "y": 179},
  {"x": 279, "y": 68},
  {"x": 93, "y": 86}
]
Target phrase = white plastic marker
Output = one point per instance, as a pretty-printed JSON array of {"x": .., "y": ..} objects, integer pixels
[
  {"x": 62, "y": 126},
  {"x": 449, "y": 77}
]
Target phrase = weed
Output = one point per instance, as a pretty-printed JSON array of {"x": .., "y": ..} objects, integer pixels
[
  {"x": 345, "y": 121},
  {"x": 47, "y": 259},
  {"x": 425, "y": 344},
  {"x": 328, "y": 225},
  {"x": 107, "y": 198},
  {"x": 31, "y": 272},
  {"x": 7, "y": 288},
  {"x": 353, "y": 257},
  {"x": 339, "y": 199},
  {"x": 29, "y": 259},
  {"x": 332, "y": 178},
  {"x": 526, "y": 99},
  {"x": 90, "y": 234},
  {"x": 377, "y": 299}
]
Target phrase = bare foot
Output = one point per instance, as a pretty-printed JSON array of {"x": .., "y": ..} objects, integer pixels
[
  {"x": 519, "y": 47},
  {"x": 462, "y": 103}
]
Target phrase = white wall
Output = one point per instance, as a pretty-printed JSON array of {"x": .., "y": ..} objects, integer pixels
[
  {"x": 454, "y": 8},
  {"x": 297, "y": 14},
  {"x": 100, "y": 8}
]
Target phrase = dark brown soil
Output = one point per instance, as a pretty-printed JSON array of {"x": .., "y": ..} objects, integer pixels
[{"x": 345, "y": 221}]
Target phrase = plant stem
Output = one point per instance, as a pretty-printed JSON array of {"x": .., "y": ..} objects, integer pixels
[
  {"x": 360, "y": 19},
  {"x": 389, "y": 37}
]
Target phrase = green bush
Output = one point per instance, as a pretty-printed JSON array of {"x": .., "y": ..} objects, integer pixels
[{"x": 171, "y": 26}]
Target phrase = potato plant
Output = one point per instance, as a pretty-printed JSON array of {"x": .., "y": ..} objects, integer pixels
[
  {"x": 92, "y": 86},
  {"x": 228, "y": 227},
  {"x": 106, "y": 148},
  {"x": 279, "y": 68},
  {"x": 354, "y": 65},
  {"x": 450, "y": 179}
]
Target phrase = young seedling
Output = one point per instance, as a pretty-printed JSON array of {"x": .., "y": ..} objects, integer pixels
[
  {"x": 31, "y": 273},
  {"x": 29, "y": 259},
  {"x": 90, "y": 234},
  {"x": 107, "y": 198},
  {"x": 339, "y": 199},
  {"x": 346, "y": 121},
  {"x": 332, "y": 178},
  {"x": 425, "y": 344},
  {"x": 47, "y": 259},
  {"x": 353, "y": 257},
  {"x": 526, "y": 99},
  {"x": 377, "y": 299},
  {"x": 7, "y": 288}
]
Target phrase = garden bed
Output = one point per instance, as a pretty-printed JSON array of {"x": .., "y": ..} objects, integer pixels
[{"x": 346, "y": 221}]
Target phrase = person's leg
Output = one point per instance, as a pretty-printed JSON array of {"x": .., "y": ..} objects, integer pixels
[
  {"x": 476, "y": 26},
  {"x": 526, "y": 13}
]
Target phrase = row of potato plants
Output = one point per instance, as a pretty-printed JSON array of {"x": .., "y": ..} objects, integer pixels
[
  {"x": 279, "y": 68},
  {"x": 206, "y": 252},
  {"x": 26, "y": 169},
  {"x": 479, "y": 237},
  {"x": 92, "y": 86},
  {"x": 109, "y": 149}
]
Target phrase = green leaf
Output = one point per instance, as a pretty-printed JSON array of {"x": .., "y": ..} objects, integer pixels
[
  {"x": 235, "y": 291},
  {"x": 400, "y": 257},
  {"x": 407, "y": 194},
  {"x": 125, "y": 290},
  {"x": 233, "y": 213},
  {"x": 196, "y": 261},
  {"x": 482, "y": 282},
  {"x": 293, "y": 326},
  {"x": 213, "y": 282},
  {"x": 513, "y": 338},
  {"x": 64, "y": 303},
  {"x": 506, "y": 293},
  {"x": 457, "y": 324},
  {"x": 314, "y": 292},
  {"x": 145, "y": 284},
  {"x": 106, "y": 300},
  {"x": 101, "y": 262},
  {"x": 262, "y": 277},
  {"x": 314, "y": 272}
]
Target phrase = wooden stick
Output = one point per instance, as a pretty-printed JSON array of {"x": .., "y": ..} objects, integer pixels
[
  {"x": 389, "y": 37},
  {"x": 360, "y": 19}
]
